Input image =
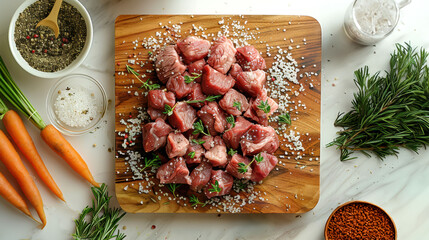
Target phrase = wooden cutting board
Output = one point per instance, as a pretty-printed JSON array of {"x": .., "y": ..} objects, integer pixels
[{"x": 293, "y": 187}]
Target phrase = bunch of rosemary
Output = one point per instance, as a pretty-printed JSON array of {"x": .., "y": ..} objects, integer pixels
[
  {"x": 100, "y": 221},
  {"x": 390, "y": 111}
]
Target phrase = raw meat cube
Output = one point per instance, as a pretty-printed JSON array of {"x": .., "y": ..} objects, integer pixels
[
  {"x": 222, "y": 54},
  {"x": 210, "y": 141},
  {"x": 155, "y": 114},
  {"x": 177, "y": 145},
  {"x": 233, "y": 167},
  {"x": 235, "y": 70},
  {"x": 257, "y": 114},
  {"x": 251, "y": 83},
  {"x": 214, "y": 82},
  {"x": 233, "y": 136},
  {"x": 220, "y": 180},
  {"x": 155, "y": 135},
  {"x": 174, "y": 171},
  {"x": 157, "y": 99},
  {"x": 213, "y": 118},
  {"x": 259, "y": 139},
  {"x": 183, "y": 117},
  {"x": 168, "y": 64},
  {"x": 178, "y": 86},
  {"x": 233, "y": 102},
  {"x": 262, "y": 169},
  {"x": 217, "y": 156},
  {"x": 196, "y": 94},
  {"x": 197, "y": 156},
  {"x": 249, "y": 58},
  {"x": 196, "y": 68},
  {"x": 193, "y": 48},
  {"x": 200, "y": 176}
]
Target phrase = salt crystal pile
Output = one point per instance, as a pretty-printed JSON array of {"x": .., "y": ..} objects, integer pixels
[{"x": 376, "y": 17}]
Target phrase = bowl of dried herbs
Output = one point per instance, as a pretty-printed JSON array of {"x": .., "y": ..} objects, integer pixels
[{"x": 37, "y": 50}]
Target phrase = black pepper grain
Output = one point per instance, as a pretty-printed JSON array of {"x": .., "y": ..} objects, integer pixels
[{"x": 39, "y": 47}]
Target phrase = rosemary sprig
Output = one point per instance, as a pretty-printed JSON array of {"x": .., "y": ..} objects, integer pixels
[
  {"x": 155, "y": 161},
  {"x": 285, "y": 118},
  {"x": 173, "y": 187},
  {"x": 209, "y": 98},
  {"x": 243, "y": 168},
  {"x": 237, "y": 105},
  {"x": 100, "y": 221},
  {"x": 215, "y": 187},
  {"x": 194, "y": 201},
  {"x": 144, "y": 84},
  {"x": 264, "y": 106},
  {"x": 189, "y": 79},
  {"x": 199, "y": 128},
  {"x": 388, "y": 111}
]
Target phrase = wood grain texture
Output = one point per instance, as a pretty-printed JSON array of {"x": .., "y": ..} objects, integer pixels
[{"x": 294, "y": 186}]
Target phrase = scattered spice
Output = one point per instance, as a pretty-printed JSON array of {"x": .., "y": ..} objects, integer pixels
[
  {"x": 360, "y": 220},
  {"x": 39, "y": 47}
]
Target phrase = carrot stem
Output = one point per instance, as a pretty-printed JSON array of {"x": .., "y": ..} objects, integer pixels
[
  {"x": 10, "y": 158},
  {"x": 16, "y": 129},
  {"x": 65, "y": 150}
]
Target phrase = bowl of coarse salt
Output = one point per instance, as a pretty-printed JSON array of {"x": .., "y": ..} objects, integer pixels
[{"x": 76, "y": 104}]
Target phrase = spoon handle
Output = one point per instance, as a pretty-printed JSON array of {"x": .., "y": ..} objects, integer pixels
[
  {"x": 403, "y": 3},
  {"x": 56, "y": 9}
]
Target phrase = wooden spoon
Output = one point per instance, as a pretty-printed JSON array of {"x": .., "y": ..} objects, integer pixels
[{"x": 51, "y": 20}]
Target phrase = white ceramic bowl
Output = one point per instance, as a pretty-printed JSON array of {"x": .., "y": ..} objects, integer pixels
[
  {"x": 80, "y": 58},
  {"x": 83, "y": 83}
]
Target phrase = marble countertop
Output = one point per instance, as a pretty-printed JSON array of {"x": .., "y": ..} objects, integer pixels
[{"x": 397, "y": 184}]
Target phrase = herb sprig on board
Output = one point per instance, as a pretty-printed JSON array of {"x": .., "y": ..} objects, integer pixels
[
  {"x": 388, "y": 112},
  {"x": 144, "y": 84},
  {"x": 99, "y": 221}
]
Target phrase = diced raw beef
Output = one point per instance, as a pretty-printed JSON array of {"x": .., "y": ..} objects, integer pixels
[
  {"x": 177, "y": 145},
  {"x": 198, "y": 153},
  {"x": 213, "y": 118},
  {"x": 251, "y": 83},
  {"x": 168, "y": 64},
  {"x": 155, "y": 135},
  {"x": 214, "y": 82},
  {"x": 234, "y": 97},
  {"x": 155, "y": 114},
  {"x": 196, "y": 94},
  {"x": 210, "y": 142},
  {"x": 157, "y": 99},
  {"x": 193, "y": 48},
  {"x": 217, "y": 156},
  {"x": 200, "y": 176},
  {"x": 259, "y": 139},
  {"x": 257, "y": 114},
  {"x": 174, "y": 171},
  {"x": 183, "y": 117},
  {"x": 233, "y": 136},
  {"x": 235, "y": 70},
  {"x": 262, "y": 169},
  {"x": 178, "y": 86},
  {"x": 222, "y": 54},
  {"x": 249, "y": 58},
  {"x": 232, "y": 167},
  {"x": 196, "y": 68},
  {"x": 224, "y": 181}
]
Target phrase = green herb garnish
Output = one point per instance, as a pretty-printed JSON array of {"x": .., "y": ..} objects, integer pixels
[
  {"x": 210, "y": 98},
  {"x": 215, "y": 187},
  {"x": 231, "y": 152},
  {"x": 99, "y": 221},
  {"x": 144, "y": 84},
  {"x": 189, "y": 79},
  {"x": 155, "y": 161},
  {"x": 199, "y": 128},
  {"x": 198, "y": 141},
  {"x": 173, "y": 187},
  {"x": 285, "y": 118},
  {"x": 243, "y": 168},
  {"x": 237, "y": 105},
  {"x": 264, "y": 106},
  {"x": 231, "y": 120},
  {"x": 194, "y": 201},
  {"x": 191, "y": 154},
  {"x": 388, "y": 111}
]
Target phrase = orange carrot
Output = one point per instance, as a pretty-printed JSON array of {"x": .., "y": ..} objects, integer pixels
[
  {"x": 64, "y": 149},
  {"x": 11, "y": 195},
  {"x": 16, "y": 129},
  {"x": 10, "y": 158}
]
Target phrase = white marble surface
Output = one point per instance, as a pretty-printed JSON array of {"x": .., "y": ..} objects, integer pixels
[{"x": 399, "y": 185}]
